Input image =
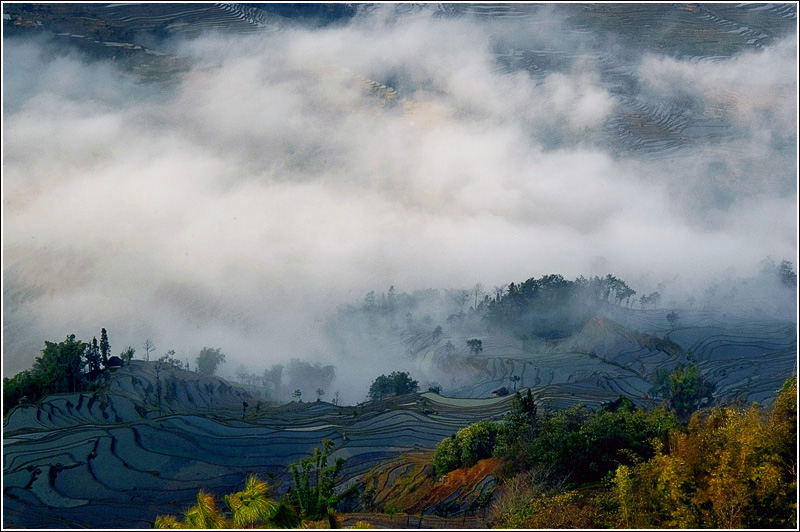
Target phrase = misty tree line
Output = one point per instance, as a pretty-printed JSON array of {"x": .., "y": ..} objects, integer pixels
[
  {"x": 783, "y": 271},
  {"x": 74, "y": 366},
  {"x": 536, "y": 306},
  {"x": 547, "y": 307},
  {"x": 293, "y": 379},
  {"x": 771, "y": 287},
  {"x": 314, "y": 379}
]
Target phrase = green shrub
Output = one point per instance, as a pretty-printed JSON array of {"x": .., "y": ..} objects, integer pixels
[
  {"x": 447, "y": 456},
  {"x": 464, "y": 449},
  {"x": 476, "y": 442}
]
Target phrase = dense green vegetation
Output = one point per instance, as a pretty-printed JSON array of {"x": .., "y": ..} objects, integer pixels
[
  {"x": 466, "y": 447},
  {"x": 729, "y": 468},
  {"x": 575, "y": 444},
  {"x": 64, "y": 367},
  {"x": 685, "y": 389}
]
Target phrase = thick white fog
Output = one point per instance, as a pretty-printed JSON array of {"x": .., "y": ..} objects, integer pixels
[{"x": 241, "y": 204}]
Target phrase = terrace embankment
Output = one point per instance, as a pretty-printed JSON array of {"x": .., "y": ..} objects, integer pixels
[{"x": 115, "y": 458}]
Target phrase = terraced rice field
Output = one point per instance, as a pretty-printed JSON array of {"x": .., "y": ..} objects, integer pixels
[
  {"x": 746, "y": 355},
  {"x": 116, "y": 460}
]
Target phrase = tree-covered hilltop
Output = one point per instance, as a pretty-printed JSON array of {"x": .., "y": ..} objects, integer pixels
[
  {"x": 545, "y": 308},
  {"x": 473, "y": 341},
  {"x": 64, "y": 367},
  {"x": 554, "y": 307},
  {"x": 548, "y": 306},
  {"x": 74, "y": 366}
]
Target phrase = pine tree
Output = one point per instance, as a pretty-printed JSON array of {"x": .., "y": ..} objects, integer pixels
[
  {"x": 93, "y": 355},
  {"x": 105, "y": 348}
]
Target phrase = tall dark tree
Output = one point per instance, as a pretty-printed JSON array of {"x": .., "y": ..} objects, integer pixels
[
  {"x": 402, "y": 383},
  {"x": 93, "y": 356},
  {"x": 160, "y": 366},
  {"x": 787, "y": 275},
  {"x": 105, "y": 347},
  {"x": 380, "y": 387},
  {"x": 625, "y": 293},
  {"x": 208, "y": 360},
  {"x": 673, "y": 318}
]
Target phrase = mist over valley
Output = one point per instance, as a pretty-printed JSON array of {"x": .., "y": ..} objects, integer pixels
[{"x": 571, "y": 199}]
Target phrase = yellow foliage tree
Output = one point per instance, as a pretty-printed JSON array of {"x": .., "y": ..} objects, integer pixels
[{"x": 731, "y": 469}]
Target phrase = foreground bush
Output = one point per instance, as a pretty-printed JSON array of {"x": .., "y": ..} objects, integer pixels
[
  {"x": 466, "y": 447},
  {"x": 732, "y": 469},
  {"x": 577, "y": 444},
  {"x": 248, "y": 508}
]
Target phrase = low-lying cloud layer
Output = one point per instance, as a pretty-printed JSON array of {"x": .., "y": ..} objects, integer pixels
[{"x": 238, "y": 206}]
